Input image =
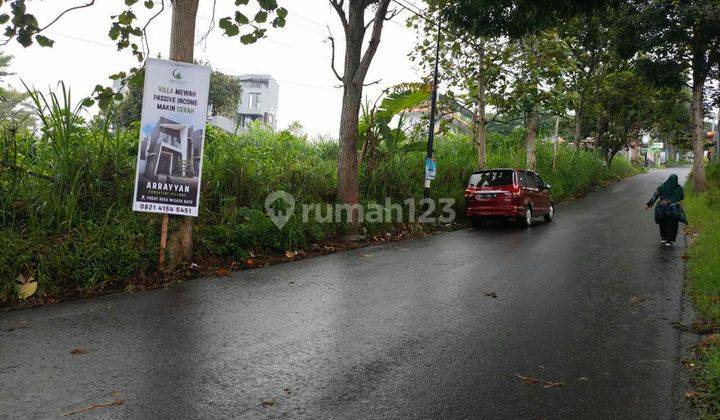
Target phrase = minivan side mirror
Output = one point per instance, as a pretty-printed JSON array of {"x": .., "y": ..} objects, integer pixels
[{"x": 548, "y": 186}]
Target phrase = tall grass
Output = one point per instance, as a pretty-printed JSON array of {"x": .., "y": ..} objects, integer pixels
[
  {"x": 703, "y": 211},
  {"x": 65, "y": 215}
]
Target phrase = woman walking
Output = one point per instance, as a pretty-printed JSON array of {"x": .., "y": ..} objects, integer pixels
[{"x": 668, "y": 211}]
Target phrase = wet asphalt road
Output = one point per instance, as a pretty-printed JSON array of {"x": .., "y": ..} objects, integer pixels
[{"x": 401, "y": 330}]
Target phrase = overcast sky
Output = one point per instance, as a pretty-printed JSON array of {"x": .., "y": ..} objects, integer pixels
[{"x": 297, "y": 56}]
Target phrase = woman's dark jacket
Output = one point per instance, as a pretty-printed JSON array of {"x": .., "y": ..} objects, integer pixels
[{"x": 668, "y": 203}]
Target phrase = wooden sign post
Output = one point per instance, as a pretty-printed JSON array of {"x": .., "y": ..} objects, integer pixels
[{"x": 163, "y": 241}]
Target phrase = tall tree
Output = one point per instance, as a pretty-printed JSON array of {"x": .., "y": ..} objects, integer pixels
[
  {"x": 355, "y": 69},
  {"x": 514, "y": 18},
  {"x": 225, "y": 92},
  {"x": 517, "y": 20},
  {"x": 590, "y": 43},
  {"x": 622, "y": 108},
  {"x": 540, "y": 66},
  {"x": 472, "y": 68},
  {"x": 686, "y": 33}
]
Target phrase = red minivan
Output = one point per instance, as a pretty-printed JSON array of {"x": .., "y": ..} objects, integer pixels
[{"x": 515, "y": 193}]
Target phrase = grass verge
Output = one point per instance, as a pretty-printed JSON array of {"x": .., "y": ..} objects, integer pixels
[
  {"x": 703, "y": 211},
  {"x": 66, "y": 227}
]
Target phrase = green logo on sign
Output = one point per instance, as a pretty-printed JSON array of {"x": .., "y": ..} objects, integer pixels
[{"x": 176, "y": 74}]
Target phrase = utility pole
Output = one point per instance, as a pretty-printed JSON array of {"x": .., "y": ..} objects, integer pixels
[{"x": 433, "y": 109}]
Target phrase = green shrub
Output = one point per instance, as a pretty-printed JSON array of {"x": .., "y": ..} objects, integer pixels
[{"x": 65, "y": 216}]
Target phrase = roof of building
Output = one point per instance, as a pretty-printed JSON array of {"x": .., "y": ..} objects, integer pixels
[{"x": 248, "y": 77}]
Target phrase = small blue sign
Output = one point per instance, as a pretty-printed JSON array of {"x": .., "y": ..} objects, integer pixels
[{"x": 430, "y": 168}]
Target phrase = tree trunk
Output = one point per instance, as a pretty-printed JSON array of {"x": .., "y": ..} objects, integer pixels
[
  {"x": 182, "y": 45},
  {"x": 578, "y": 125},
  {"x": 698, "y": 171},
  {"x": 480, "y": 135},
  {"x": 531, "y": 127},
  {"x": 182, "y": 31},
  {"x": 355, "y": 69},
  {"x": 348, "y": 190},
  {"x": 480, "y": 122}
]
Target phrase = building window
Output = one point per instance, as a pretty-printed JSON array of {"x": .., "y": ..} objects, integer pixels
[
  {"x": 254, "y": 100},
  {"x": 255, "y": 84}
]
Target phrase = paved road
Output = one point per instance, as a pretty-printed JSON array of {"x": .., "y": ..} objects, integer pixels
[{"x": 390, "y": 331}]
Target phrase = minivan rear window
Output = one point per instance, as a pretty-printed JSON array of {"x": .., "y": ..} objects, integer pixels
[{"x": 497, "y": 178}]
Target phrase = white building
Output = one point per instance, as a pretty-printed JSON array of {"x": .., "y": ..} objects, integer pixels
[{"x": 259, "y": 100}]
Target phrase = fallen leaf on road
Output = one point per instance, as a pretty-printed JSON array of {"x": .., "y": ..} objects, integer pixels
[
  {"x": 367, "y": 255},
  {"x": 685, "y": 257},
  {"x": 250, "y": 262},
  {"x": 546, "y": 384},
  {"x": 222, "y": 272},
  {"x": 268, "y": 402},
  {"x": 527, "y": 380},
  {"x": 490, "y": 294},
  {"x": 80, "y": 350},
  {"x": 93, "y": 406},
  {"x": 287, "y": 391},
  {"x": 637, "y": 300},
  {"x": 290, "y": 254}
]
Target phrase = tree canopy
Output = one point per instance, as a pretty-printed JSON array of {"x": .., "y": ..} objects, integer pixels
[{"x": 513, "y": 18}]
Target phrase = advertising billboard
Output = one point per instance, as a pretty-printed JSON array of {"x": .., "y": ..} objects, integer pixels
[{"x": 172, "y": 136}]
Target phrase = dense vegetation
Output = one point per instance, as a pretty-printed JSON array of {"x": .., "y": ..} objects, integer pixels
[
  {"x": 703, "y": 212},
  {"x": 65, "y": 193}
]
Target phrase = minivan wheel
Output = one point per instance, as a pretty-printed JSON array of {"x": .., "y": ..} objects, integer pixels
[
  {"x": 550, "y": 214},
  {"x": 476, "y": 222},
  {"x": 526, "y": 221}
]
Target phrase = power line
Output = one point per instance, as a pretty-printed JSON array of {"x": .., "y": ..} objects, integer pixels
[
  {"x": 305, "y": 27},
  {"x": 307, "y": 20},
  {"x": 233, "y": 72},
  {"x": 414, "y": 9},
  {"x": 219, "y": 68},
  {"x": 103, "y": 44}
]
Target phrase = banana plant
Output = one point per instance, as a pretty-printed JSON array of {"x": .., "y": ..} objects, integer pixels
[{"x": 383, "y": 129}]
